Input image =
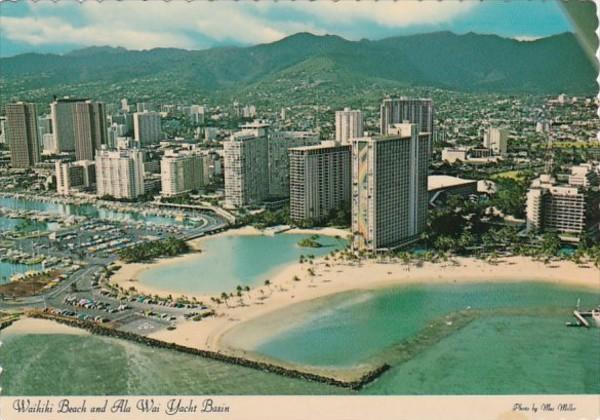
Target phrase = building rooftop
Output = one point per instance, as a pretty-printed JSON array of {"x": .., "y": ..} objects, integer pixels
[
  {"x": 435, "y": 182},
  {"x": 324, "y": 145}
]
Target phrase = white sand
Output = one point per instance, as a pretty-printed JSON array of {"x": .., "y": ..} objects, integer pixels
[
  {"x": 342, "y": 276},
  {"x": 41, "y": 326},
  {"x": 129, "y": 274}
]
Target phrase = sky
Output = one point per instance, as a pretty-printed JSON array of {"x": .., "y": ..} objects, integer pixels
[{"x": 48, "y": 27}]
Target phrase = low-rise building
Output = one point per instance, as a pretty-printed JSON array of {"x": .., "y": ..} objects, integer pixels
[
  {"x": 75, "y": 176},
  {"x": 563, "y": 208}
]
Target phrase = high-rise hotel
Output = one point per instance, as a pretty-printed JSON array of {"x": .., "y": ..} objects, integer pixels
[
  {"x": 319, "y": 180},
  {"x": 389, "y": 188},
  {"x": 246, "y": 159},
  {"x": 181, "y": 173},
  {"x": 402, "y": 109},
  {"x": 79, "y": 125},
  {"x": 147, "y": 127},
  {"x": 22, "y": 134},
  {"x": 120, "y": 173}
]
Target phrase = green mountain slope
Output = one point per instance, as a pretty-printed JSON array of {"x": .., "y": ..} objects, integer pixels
[{"x": 469, "y": 62}]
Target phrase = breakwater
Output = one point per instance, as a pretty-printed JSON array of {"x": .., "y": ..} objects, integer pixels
[{"x": 355, "y": 383}]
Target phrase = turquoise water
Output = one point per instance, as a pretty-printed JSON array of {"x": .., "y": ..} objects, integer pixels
[
  {"x": 519, "y": 345},
  {"x": 375, "y": 320},
  {"x": 7, "y": 270},
  {"x": 229, "y": 261},
  {"x": 87, "y": 210},
  {"x": 90, "y": 365}
]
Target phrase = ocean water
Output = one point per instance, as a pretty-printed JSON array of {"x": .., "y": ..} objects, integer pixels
[
  {"x": 516, "y": 343},
  {"x": 90, "y": 365},
  {"x": 373, "y": 321},
  {"x": 229, "y": 261}
]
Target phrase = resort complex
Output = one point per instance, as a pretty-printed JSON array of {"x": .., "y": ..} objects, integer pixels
[{"x": 310, "y": 215}]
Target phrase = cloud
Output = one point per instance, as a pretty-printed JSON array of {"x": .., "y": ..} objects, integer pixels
[
  {"x": 48, "y": 31},
  {"x": 200, "y": 24},
  {"x": 386, "y": 13},
  {"x": 527, "y": 38}
]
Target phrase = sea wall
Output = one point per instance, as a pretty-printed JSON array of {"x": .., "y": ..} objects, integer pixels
[
  {"x": 7, "y": 323},
  {"x": 355, "y": 384}
]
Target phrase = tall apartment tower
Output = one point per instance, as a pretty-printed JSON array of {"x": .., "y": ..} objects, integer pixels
[
  {"x": 348, "y": 125},
  {"x": 389, "y": 188},
  {"x": 120, "y": 173},
  {"x": 410, "y": 110},
  {"x": 22, "y": 134},
  {"x": 496, "y": 139},
  {"x": 246, "y": 159},
  {"x": 181, "y": 173},
  {"x": 280, "y": 143},
  {"x": 79, "y": 125},
  {"x": 62, "y": 111},
  {"x": 320, "y": 178},
  {"x": 90, "y": 129},
  {"x": 146, "y": 127}
]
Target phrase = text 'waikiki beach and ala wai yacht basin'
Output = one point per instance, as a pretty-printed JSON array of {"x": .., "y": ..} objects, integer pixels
[{"x": 383, "y": 205}]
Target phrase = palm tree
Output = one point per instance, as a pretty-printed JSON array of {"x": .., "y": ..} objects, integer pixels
[{"x": 225, "y": 298}]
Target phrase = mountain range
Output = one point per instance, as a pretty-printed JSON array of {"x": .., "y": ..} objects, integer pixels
[{"x": 470, "y": 62}]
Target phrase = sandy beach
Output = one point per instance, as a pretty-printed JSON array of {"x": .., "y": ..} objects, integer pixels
[
  {"x": 294, "y": 284},
  {"x": 345, "y": 276},
  {"x": 41, "y": 326},
  {"x": 128, "y": 275}
]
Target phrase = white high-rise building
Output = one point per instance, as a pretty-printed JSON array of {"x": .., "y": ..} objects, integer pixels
[
  {"x": 246, "y": 160},
  {"x": 389, "y": 188},
  {"x": 181, "y": 173},
  {"x": 120, "y": 173},
  {"x": 496, "y": 139},
  {"x": 348, "y": 125},
  {"x": 147, "y": 127},
  {"x": 74, "y": 176},
  {"x": 279, "y": 163},
  {"x": 320, "y": 178}
]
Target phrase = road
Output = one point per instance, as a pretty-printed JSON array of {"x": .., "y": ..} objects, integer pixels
[{"x": 80, "y": 283}]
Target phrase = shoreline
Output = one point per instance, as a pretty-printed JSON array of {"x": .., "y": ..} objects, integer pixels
[
  {"x": 26, "y": 325},
  {"x": 129, "y": 273},
  {"x": 211, "y": 333},
  {"x": 334, "y": 276}
]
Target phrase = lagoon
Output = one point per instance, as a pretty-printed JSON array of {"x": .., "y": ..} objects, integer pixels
[
  {"x": 228, "y": 261},
  {"x": 520, "y": 346},
  {"x": 517, "y": 342}
]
